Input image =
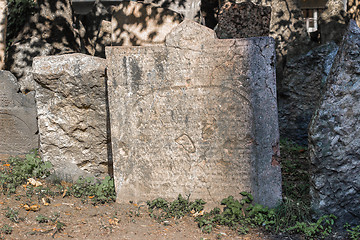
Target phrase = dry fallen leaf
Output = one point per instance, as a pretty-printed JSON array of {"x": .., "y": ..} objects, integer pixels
[
  {"x": 34, "y": 182},
  {"x": 114, "y": 221},
  {"x": 45, "y": 201},
  {"x": 198, "y": 213},
  {"x": 33, "y": 208},
  {"x": 64, "y": 194}
]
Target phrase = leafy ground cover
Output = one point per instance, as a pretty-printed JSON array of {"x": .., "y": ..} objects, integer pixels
[{"x": 31, "y": 207}]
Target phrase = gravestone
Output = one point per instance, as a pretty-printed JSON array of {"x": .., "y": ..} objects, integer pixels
[
  {"x": 302, "y": 88},
  {"x": 334, "y": 137},
  {"x": 72, "y": 114},
  {"x": 196, "y": 116},
  {"x": 17, "y": 117},
  {"x": 137, "y": 24}
]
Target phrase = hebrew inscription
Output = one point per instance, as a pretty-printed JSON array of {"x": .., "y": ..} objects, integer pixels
[
  {"x": 17, "y": 118},
  {"x": 185, "y": 117}
]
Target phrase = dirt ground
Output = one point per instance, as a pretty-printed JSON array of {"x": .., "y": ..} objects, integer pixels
[
  {"x": 81, "y": 219},
  {"x": 67, "y": 217}
]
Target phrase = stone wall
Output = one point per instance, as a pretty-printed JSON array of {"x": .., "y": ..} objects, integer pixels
[
  {"x": 196, "y": 116},
  {"x": 72, "y": 114}
]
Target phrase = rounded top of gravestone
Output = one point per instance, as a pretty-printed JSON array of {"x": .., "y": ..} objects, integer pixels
[
  {"x": 9, "y": 89},
  {"x": 189, "y": 34}
]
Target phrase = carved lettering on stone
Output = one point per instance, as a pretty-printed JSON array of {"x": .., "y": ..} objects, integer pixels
[
  {"x": 17, "y": 117},
  {"x": 196, "y": 116}
]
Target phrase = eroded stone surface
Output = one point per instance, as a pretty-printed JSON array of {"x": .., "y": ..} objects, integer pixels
[
  {"x": 17, "y": 117},
  {"x": 71, "y": 105},
  {"x": 138, "y": 24},
  {"x": 334, "y": 137},
  {"x": 243, "y": 20},
  {"x": 302, "y": 88},
  {"x": 196, "y": 116}
]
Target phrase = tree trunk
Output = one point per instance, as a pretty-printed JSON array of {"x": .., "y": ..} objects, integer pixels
[{"x": 3, "y": 25}]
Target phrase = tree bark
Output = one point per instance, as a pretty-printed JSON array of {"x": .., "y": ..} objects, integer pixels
[{"x": 3, "y": 25}]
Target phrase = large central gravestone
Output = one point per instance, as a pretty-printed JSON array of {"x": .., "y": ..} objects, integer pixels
[
  {"x": 196, "y": 116},
  {"x": 17, "y": 117}
]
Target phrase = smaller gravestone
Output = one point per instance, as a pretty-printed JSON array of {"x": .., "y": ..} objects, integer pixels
[
  {"x": 137, "y": 24},
  {"x": 18, "y": 125},
  {"x": 72, "y": 114},
  {"x": 195, "y": 116},
  {"x": 243, "y": 20},
  {"x": 334, "y": 137}
]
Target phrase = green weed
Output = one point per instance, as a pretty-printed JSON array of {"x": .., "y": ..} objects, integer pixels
[
  {"x": 295, "y": 171},
  {"x": 12, "y": 214},
  {"x": 317, "y": 230},
  {"x": 6, "y": 229},
  {"x": 98, "y": 192},
  {"x": 161, "y": 210},
  {"x": 241, "y": 215},
  {"x": 41, "y": 219},
  {"x": 353, "y": 232},
  {"x": 22, "y": 169}
]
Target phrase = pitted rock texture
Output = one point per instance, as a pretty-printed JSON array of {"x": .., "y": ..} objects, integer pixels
[
  {"x": 301, "y": 90},
  {"x": 334, "y": 137},
  {"x": 72, "y": 116},
  {"x": 243, "y": 20},
  {"x": 196, "y": 116},
  {"x": 18, "y": 124}
]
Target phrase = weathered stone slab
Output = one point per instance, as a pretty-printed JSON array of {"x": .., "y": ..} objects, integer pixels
[
  {"x": 17, "y": 117},
  {"x": 196, "y": 116},
  {"x": 72, "y": 118},
  {"x": 334, "y": 137},
  {"x": 138, "y": 24},
  {"x": 243, "y": 20},
  {"x": 301, "y": 90}
]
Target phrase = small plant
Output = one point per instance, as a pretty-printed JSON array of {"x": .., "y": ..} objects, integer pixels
[
  {"x": 98, "y": 192},
  {"x": 6, "y": 229},
  {"x": 161, "y": 210},
  {"x": 55, "y": 217},
  {"x": 41, "y": 219},
  {"x": 20, "y": 170},
  {"x": 60, "y": 226},
  {"x": 320, "y": 229},
  {"x": 295, "y": 171},
  {"x": 13, "y": 215},
  {"x": 353, "y": 232},
  {"x": 235, "y": 215}
]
